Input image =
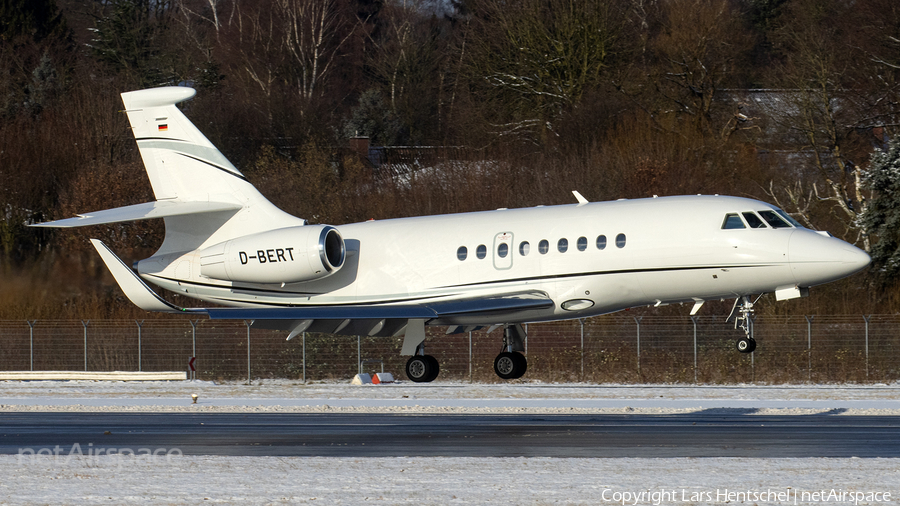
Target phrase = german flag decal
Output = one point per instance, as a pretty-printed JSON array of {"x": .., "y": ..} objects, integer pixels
[{"x": 163, "y": 128}]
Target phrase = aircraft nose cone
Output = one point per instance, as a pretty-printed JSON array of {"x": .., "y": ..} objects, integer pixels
[{"x": 816, "y": 258}]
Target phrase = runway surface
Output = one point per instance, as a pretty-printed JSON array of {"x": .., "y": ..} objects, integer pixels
[{"x": 712, "y": 433}]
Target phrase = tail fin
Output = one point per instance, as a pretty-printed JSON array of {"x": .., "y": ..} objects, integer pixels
[
  {"x": 202, "y": 196},
  {"x": 181, "y": 162}
]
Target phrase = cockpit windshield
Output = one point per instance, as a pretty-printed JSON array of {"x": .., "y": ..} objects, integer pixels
[
  {"x": 774, "y": 219},
  {"x": 790, "y": 220},
  {"x": 753, "y": 220},
  {"x": 732, "y": 221}
]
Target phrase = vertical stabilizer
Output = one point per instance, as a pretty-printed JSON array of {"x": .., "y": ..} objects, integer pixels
[
  {"x": 181, "y": 162},
  {"x": 183, "y": 166}
]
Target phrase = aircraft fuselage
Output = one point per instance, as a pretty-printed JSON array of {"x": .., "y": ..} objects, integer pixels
[{"x": 589, "y": 259}]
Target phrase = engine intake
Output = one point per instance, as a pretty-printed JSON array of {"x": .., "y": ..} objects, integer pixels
[{"x": 287, "y": 255}]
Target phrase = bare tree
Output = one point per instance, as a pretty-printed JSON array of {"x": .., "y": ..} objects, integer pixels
[
  {"x": 700, "y": 44},
  {"x": 536, "y": 57},
  {"x": 836, "y": 103},
  {"x": 313, "y": 34},
  {"x": 253, "y": 50}
]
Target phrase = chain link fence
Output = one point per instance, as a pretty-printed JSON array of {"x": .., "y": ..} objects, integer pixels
[{"x": 615, "y": 348}]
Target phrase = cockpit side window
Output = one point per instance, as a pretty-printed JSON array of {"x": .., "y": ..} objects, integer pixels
[
  {"x": 790, "y": 220},
  {"x": 753, "y": 220},
  {"x": 774, "y": 219},
  {"x": 732, "y": 220}
]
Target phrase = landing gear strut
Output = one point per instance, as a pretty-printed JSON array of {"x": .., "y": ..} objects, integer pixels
[
  {"x": 741, "y": 312},
  {"x": 510, "y": 364},
  {"x": 422, "y": 368}
]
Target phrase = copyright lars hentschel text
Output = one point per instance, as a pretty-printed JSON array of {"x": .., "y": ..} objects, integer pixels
[{"x": 725, "y": 495}]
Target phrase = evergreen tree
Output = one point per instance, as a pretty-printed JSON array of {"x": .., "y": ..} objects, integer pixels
[
  {"x": 31, "y": 20},
  {"x": 882, "y": 215}
]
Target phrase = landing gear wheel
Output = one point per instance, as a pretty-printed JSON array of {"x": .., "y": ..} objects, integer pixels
[
  {"x": 746, "y": 345},
  {"x": 435, "y": 368},
  {"x": 422, "y": 368},
  {"x": 510, "y": 365}
]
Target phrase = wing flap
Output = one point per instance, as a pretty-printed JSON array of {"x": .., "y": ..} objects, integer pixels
[
  {"x": 145, "y": 211},
  {"x": 422, "y": 311}
]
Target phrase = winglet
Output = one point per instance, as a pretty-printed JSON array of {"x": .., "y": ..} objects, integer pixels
[
  {"x": 578, "y": 196},
  {"x": 134, "y": 287}
]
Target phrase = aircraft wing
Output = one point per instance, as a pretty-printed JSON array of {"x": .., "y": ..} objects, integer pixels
[
  {"x": 423, "y": 311},
  {"x": 145, "y": 211}
]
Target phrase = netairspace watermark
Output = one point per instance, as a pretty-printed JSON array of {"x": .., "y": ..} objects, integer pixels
[
  {"x": 101, "y": 456},
  {"x": 725, "y": 495}
]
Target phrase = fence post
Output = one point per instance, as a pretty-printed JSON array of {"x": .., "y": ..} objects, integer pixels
[
  {"x": 194, "y": 344},
  {"x": 85, "y": 325},
  {"x": 752, "y": 320},
  {"x": 526, "y": 339},
  {"x": 866, "y": 318},
  {"x": 31, "y": 341},
  {"x": 359, "y": 354},
  {"x": 248, "y": 323},
  {"x": 304, "y": 357},
  {"x": 694, "y": 321},
  {"x": 139, "y": 325},
  {"x": 470, "y": 354},
  {"x": 809, "y": 320},
  {"x": 581, "y": 321},
  {"x": 637, "y": 320}
]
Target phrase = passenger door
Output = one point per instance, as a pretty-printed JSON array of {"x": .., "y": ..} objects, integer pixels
[{"x": 503, "y": 250}]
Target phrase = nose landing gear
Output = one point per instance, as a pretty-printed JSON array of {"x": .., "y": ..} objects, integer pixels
[
  {"x": 746, "y": 345},
  {"x": 741, "y": 313}
]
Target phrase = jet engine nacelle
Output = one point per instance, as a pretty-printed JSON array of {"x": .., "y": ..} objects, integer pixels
[{"x": 287, "y": 255}]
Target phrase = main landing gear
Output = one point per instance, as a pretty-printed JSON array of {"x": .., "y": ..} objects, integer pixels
[
  {"x": 741, "y": 312},
  {"x": 510, "y": 364}
]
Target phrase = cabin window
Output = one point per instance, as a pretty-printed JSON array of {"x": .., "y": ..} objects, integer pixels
[
  {"x": 562, "y": 245},
  {"x": 754, "y": 221},
  {"x": 620, "y": 241},
  {"x": 503, "y": 250},
  {"x": 524, "y": 248},
  {"x": 774, "y": 220},
  {"x": 790, "y": 220},
  {"x": 481, "y": 251},
  {"x": 732, "y": 220},
  {"x": 462, "y": 253},
  {"x": 582, "y": 243},
  {"x": 544, "y": 246},
  {"x": 601, "y": 242}
]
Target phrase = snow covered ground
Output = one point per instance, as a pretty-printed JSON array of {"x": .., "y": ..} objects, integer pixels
[
  {"x": 278, "y": 480},
  {"x": 438, "y": 481},
  {"x": 293, "y": 396}
]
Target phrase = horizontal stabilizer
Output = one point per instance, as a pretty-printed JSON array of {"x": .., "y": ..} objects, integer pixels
[
  {"x": 145, "y": 211},
  {"x": 423, "y": 311},
  {"x": 134, "y": 287}
]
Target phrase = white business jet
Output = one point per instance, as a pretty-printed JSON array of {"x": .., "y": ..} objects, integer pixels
[{"x": 226, "y": 244}]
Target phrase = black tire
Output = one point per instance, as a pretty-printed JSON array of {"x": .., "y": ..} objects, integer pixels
[
  {"x": 522, "y": 365},
  {"x": 422, "y": 368},
  {"x": 746, "y": 345},
  {"x": 418, "y": 369},
  {"x": 435, "y": 368},
  {"x": 510, "y": 365}
]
